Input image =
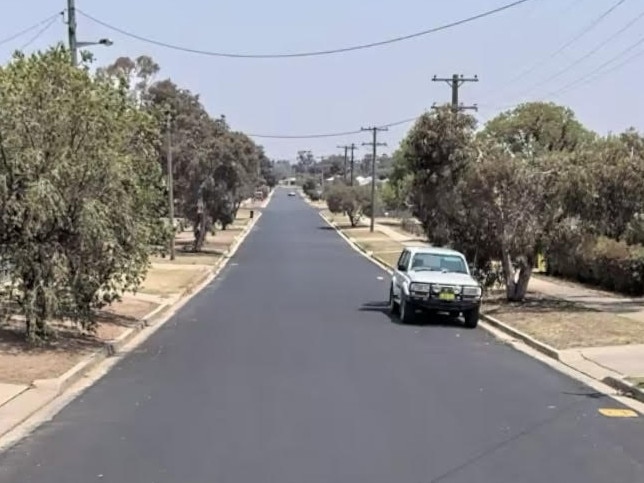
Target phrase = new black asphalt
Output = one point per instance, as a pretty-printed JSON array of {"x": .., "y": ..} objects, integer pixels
[{"x": 287, "y": 369}]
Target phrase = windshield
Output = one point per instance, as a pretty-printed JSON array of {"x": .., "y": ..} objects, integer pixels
[{"x": 438, "y": 262}]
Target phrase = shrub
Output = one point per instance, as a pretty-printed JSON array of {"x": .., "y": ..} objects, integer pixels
[{"x": 604, "y": 262}]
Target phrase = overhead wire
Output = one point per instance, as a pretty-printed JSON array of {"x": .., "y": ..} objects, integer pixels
[
  {"x": 588, "y": 28},
  {"x": 29, "y": 29},
  {"x": 596, "y": 73},
  {"x": 585, "y": 56},
  {"x": 380, "y": 43},
  {"x": 40, "y": 32},
  {"x": 583, "y": 32},
  {"x": 331, "y": 134}
]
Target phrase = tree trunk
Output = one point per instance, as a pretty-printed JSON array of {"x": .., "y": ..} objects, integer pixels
[
  {"x": 200, "y": 233},
  {"x": 516, "y": 281}
]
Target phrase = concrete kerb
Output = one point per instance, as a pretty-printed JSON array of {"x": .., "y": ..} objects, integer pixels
[
  {"x": 625, "y": 387},
  {"x": 516, "y": 333},
  {"x": 56, "y": 386}
]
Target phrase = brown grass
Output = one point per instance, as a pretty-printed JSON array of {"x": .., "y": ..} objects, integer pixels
[
  {"x": 22, "y": 362},
  {"x": 565, "y": 325},
  {"x": 363, "y": 233},
  {"x": 166, "y": 281},
  {"x": 387, "y": 245},
  {"x": 388, "y": 258},
  {"x": 638, "y": 381}
]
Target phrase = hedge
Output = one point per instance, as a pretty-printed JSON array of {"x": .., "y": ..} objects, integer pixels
[{"x": 603, "y": 262}]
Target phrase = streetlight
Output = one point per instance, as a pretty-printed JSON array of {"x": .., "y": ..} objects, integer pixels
[
  {"x": 105, "y": 42},
  {"x": 76, "y": 45}
]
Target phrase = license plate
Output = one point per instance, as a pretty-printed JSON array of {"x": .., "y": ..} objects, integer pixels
[{"x": 446, "y": 296}]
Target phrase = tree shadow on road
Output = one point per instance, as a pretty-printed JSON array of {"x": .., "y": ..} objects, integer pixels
[{"x": 421, "y": 319}]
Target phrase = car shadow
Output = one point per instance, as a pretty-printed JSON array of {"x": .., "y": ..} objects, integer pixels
[
  {"x": 327, "y": 227},
  {"x": 421, "y": 319}
]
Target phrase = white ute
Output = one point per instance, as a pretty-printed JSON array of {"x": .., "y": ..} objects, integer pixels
[{"x": 435, "y": 280}]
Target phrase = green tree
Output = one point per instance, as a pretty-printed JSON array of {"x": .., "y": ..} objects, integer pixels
[
  {"x": 506, "y": 203},
  {"x": 604, "y": 184},
  {"x": 348, "y": 200},
  {"x": 541, "y": 126},
  {"x": 268, "y": 171},
  {"x": 437, "y": 151},
  {"x": 396, "y": 193},
  {"x": 80, "y": 189}
]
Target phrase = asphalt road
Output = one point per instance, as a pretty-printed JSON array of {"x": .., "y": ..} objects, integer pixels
[{"x": 288, "y": 370}]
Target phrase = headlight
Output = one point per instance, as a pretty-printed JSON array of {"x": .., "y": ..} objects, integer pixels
[
  {"x": 472, "y": 291},
  {"x": 419, "y": 287}
]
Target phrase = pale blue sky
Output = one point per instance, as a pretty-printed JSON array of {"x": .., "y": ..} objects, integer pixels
[{"x": 347, "y": 91}]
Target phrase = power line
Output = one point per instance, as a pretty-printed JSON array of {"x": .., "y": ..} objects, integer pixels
[
  {"x": 40, "y": 32},
  {"x": 596, "y": 21},
  {"x": 306, "y": 54},
  {"x": 29, "y": 29},
  {"x": 596, "y": 73},
  {"x": 585, "y": 56},
  {"x": 328, "y": 135}
]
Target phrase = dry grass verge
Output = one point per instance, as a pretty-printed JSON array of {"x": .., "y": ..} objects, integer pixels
[
  {"x": 562, "y": 324},
  {"x": 22, "y": 363},
  {"x": 166, "y": 281}
]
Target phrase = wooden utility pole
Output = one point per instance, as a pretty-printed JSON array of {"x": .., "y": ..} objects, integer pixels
[
  {"x": 455, "y": 82},
  {"x": 71, "y": 30},
  {"x": 168, "y": 127},
  {"x": 353, "y": 147},
  {"x": 346, "y": 150},
  {"x": 374, "y": 144}
]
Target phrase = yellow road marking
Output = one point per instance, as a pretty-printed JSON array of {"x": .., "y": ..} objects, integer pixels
[{"x": 618, "y": 413}]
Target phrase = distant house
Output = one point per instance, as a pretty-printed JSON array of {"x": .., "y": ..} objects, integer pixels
[{"x": 366, "y": 180}]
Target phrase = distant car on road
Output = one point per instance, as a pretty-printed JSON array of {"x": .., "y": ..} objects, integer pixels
[
  {"x": 292, "y": 193},
  {"x": 434, "y": 280}
]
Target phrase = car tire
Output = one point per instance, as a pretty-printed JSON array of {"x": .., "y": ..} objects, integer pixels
[
  {"x": 406, "y": 311},
  {"x": 394, "y": 308},
  {"x": 471, "y": 318}
]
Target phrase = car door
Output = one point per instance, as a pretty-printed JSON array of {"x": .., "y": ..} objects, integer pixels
[{"x": 400, "y": 275}]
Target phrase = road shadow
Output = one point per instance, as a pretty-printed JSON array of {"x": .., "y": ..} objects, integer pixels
[
  {"x": 421, "y": 320},
  {"x": 186, "y": 247},
  {"x": 589, "y": 395}
]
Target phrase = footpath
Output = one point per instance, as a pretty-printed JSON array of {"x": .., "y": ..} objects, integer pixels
[
  {"x": 597, "y": 333},
  {"x": 33, "y": 376}
]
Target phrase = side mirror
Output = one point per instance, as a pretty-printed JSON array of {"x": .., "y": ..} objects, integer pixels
[{"x": 402, "y": 267}]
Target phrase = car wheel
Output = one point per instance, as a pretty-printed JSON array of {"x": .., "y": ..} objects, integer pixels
[
  {"x": 471, "y": 318},
  {"x": 393, "y": 306},
  {"x": 406, "y": 311}
]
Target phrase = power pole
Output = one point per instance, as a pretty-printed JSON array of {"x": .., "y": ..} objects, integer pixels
[
  {"x": 170, "y": 182},
  {"x": 374, "y": 144},
  {"x": 455, "y": 82},
  {"x": 71, "y": 30},
  {"x": 352, "y": 148},
  {"x": 344, "y": 173}
]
